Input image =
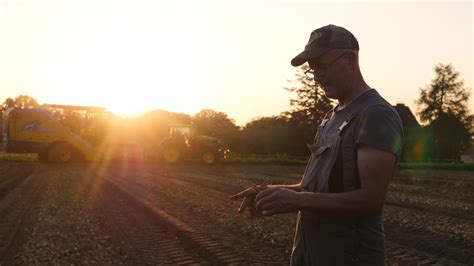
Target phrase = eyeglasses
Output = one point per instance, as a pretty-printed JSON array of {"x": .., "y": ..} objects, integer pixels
[{"x": 320, "y": 67}]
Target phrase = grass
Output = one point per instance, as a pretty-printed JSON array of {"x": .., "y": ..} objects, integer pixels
[
  {"x": 437, "y": 166},
  {"x": 278, "y": 159},
  {"x": 284, "y": 159},
  {"x": 18, "y": 157}
]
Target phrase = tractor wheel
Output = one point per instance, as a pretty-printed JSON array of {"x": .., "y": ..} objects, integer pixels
[
  {"x": 61, "y": 153},
  {"x": 208, "y": 157},
  {"x": 171, "y": 155}
]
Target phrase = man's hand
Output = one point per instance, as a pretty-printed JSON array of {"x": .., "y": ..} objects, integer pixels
[
  {"x": 248, "y": 196},
  {"x": 277, "y": 200}
]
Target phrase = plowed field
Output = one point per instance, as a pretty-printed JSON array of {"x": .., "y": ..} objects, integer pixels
[{"x": 140, "y": 213}]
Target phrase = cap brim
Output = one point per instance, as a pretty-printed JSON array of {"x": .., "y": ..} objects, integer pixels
[{"x": 308, "y": 54}]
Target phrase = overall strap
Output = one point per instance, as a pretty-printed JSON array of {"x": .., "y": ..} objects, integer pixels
[
  {"x": 354, "y": 112},
  {"x": 348, "y": 150},
  {"x": 323, "y": 123},
  {"x": 326, "y": 118}
]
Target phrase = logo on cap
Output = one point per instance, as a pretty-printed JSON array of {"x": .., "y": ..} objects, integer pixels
[{"x": 314, "y": 37}]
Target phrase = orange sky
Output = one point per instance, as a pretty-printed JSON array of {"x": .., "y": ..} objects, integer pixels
[{"x": 230, "y": 56}]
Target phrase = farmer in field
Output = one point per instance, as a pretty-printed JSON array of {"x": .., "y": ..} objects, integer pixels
[{"x": 354, "y": 154}]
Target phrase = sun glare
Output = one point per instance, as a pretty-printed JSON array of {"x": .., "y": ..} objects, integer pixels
[
  {"x": 129, "y": 66},
  {"x": 125, "y": 112}
]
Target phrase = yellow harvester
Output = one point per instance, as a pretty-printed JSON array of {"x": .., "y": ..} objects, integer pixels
[{"x": 38, "y": 131}]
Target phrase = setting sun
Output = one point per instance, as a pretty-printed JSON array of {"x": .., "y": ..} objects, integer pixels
[{"x": 128, "y": 63}]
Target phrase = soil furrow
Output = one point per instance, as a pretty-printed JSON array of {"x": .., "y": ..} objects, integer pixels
[
  {"x": 228, "y": 248},
  {"x": 139, "y": 213},
  {"x": 427, "y": 235},
  {"x": 16, "y": 219},
  {"x": 401, "y": 255},
  {"x": 165, "y": 227}
]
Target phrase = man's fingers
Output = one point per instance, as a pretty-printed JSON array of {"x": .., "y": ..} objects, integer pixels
[
  {"x": 268, "y": 213},
  {"x": 264, "y": 200},
  {"x": 268, "y": 206},
  {"x": 264, "y": 193},
  {"x": 248, "y": 196},
  {"x": 272, "y": 208}
]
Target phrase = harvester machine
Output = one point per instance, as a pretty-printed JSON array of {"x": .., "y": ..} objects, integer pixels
[{"x": 38, "y": 131}]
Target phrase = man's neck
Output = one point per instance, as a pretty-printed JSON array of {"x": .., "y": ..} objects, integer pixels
[{"x": 350, "y": 97}]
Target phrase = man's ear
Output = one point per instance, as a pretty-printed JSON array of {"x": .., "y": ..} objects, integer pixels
[{"x": 352, "y": 59}]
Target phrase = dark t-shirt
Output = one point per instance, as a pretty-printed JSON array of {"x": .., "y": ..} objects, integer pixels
[
  {"x": 378, "y": 126},
  {"x": 322, "y": 238}
]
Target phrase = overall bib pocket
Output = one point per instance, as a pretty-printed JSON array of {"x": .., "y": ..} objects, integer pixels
[{"x": 323, "y": 156}]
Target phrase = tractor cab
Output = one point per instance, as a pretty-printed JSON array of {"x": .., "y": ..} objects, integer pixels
[{"x": 184, "y": 143}]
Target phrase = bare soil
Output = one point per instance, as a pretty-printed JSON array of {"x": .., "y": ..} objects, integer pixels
[{"x": 135, "y": 212}]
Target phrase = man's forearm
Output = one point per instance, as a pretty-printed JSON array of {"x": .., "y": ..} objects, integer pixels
[
  {"x": 295, "y": 187},
  {"x": 347, "y": 203}
]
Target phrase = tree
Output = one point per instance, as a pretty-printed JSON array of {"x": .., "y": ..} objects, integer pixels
[
  {"x": 310, "y": 102},
  {"x": 25, "y": 101},
  {"x": 217, "y": 124},
  {"x": 308, "y": 110},
  {"x": 443, "y": 105},
  {"x": 154, "y": 126},
  {"x": 9, "y": 102},
  {"x": 22, "y": 101},
  {"x": 265, "y": 135}
]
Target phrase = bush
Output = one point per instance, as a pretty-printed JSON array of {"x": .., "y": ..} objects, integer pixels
[
  {"x": 438, "y": 166},
  {"x": 281, "y": 159},
  {"x": 27, "y": 157}
]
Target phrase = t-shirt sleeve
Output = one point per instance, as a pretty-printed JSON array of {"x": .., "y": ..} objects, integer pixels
[{"x": 380, "y": 127}]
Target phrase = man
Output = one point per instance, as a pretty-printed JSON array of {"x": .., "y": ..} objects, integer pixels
[{"x": 354, "y": 154}]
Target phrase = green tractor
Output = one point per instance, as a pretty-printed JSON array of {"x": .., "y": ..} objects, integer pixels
[{"x": 184, "y": 144}]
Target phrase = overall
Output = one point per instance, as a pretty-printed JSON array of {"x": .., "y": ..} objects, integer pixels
[{"x": 330, "y": 240}]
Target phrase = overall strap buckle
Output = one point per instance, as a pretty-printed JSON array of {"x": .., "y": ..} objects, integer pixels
[{"x": 343, "y": 125}]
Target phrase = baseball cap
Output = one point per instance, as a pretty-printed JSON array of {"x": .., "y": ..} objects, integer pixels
[{"x": 324, "y": 39}]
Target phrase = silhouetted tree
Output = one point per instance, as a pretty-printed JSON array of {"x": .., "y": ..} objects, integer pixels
[
  {"x": 217, "y": 124},
  {"x": 154, "y": 126},
  {"x": 22, "y": 101},
  {"x": 9, "y": 102},
  {"x": 266, "y": 135},
  {"x": 25, "y": 101},
  {"x": 308, "y": 109},
  {"x": 443, "y": 104}
]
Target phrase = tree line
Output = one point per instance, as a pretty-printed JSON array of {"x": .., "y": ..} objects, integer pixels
[{"x": 446, "y": 132}]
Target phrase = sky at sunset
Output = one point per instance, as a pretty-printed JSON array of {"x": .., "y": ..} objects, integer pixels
[{"x": 230, "y": 56}]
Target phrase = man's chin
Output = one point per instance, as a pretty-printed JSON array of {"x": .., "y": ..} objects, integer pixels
[{"x": 328, "y": 92}]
